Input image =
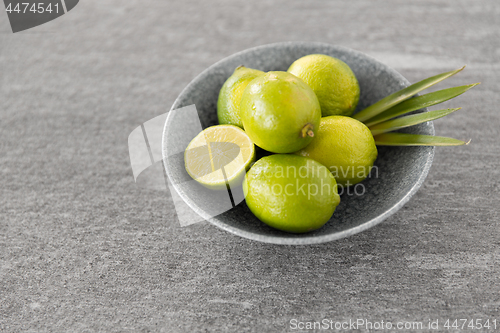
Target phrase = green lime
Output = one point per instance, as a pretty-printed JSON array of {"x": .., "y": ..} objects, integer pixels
[
  {"x": 219, "y": 156},
  {"x": 291, "y": 193},
  {"x": 228, "y": 104},
  {"x": 280, "y": 113},
  {"x": 332, "y": 80},
  {"x": 344, "y": 145}
]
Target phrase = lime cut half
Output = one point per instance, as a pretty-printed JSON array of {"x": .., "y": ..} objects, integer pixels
[{"x": 219, "y": 156}]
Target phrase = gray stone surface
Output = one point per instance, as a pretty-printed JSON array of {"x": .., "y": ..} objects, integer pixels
[{"x": 83, "y": 249}]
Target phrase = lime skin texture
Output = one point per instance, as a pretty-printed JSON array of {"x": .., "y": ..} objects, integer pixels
[
  {"x": 332, "y": 80},
  {"x": 280, "y": 113},
  {"x": 228, "y": 103},
  {"x": 345, "y": 146},
  {"x": 291, "y": 193}
]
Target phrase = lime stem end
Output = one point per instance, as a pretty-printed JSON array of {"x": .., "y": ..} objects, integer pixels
[{"x": 307, "y": 130}]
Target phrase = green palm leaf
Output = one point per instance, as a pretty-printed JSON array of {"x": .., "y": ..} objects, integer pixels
[
  {"x": 415, "y": 119},
  {"x": 404, "y": 139},
  {"x": 401, "y": 95},
  {"x": 419, "y": 102}
]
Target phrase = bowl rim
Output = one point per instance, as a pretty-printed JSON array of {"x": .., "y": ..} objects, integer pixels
[{"x": 304, "y": 240}]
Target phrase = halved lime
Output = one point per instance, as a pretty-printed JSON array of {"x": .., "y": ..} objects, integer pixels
[{"x": 219, "y": 156}]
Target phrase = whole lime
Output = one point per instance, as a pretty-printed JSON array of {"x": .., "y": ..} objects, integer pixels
[
  {"x": 332, "y": 80},
  {"x": 228, "y": 103},
  {"x": 280, "y": 113},
  {"x": 345, "y": 146},
  {"x": 291, "y": 193}
]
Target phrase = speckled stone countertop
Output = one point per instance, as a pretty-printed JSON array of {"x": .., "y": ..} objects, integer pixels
[{"x": 84, "y": 249}]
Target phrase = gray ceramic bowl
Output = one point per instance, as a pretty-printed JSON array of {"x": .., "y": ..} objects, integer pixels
[{"x": 401, "y": 170}]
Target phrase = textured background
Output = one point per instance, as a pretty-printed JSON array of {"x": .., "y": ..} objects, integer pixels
[{"x": 83, "y": 249}]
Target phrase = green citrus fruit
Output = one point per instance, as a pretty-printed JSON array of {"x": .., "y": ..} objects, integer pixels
[
  {"x": 280, "y": 113},
  {"x": 345, "y": 146},
  {"x": 332, "y": 80},
  {"x": 228, "y": 104},
  {"x": 291, "y": 193},
  {"x": 219, "y": 156}
]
